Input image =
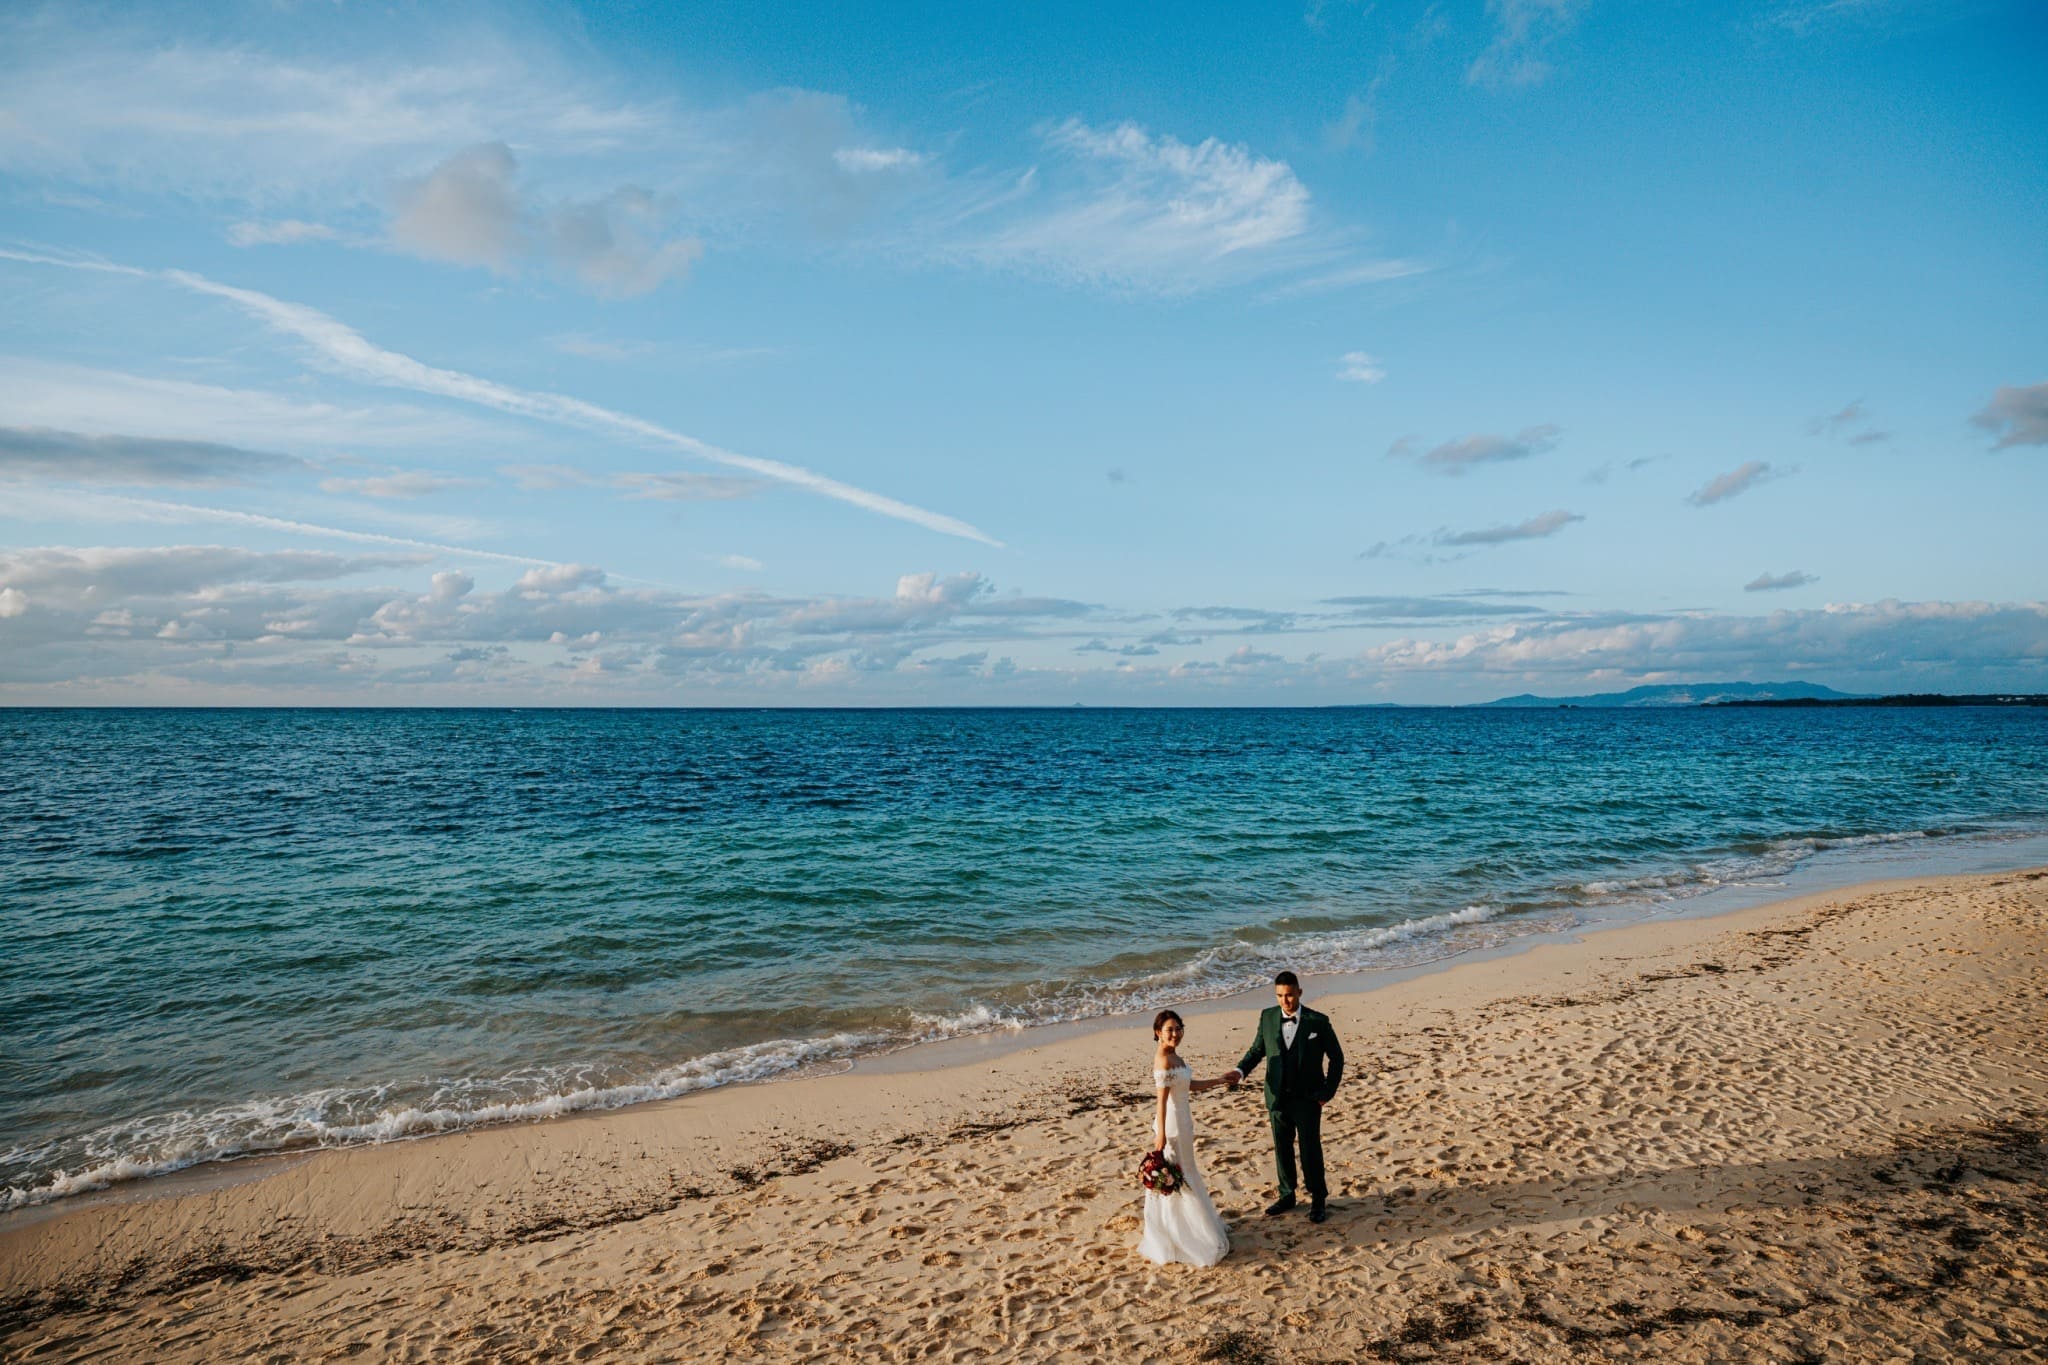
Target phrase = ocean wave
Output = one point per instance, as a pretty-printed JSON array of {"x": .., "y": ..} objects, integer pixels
[
  {"x": 365, "y": 1115},
  {"x": 337, "y": 1117},
  {"x": 1745, "y": 864},
  {"x": 361, "y": 1116}
]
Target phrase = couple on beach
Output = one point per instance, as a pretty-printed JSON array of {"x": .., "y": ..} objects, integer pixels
[{"x": 1303, "y": 1065}]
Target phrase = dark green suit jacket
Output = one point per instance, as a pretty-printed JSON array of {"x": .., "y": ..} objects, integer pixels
[{"x": 1304, "y": 1074}]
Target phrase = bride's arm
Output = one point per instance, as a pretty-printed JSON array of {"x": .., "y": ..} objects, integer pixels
[{"x": 1159, "y": 1063}]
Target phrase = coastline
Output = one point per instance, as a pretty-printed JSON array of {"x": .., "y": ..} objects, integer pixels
[
  {"x": 1848, "y": 865},
  {"x": 1033, "y": 1137}
]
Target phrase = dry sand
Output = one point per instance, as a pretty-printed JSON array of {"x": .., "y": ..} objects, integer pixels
[{"x": 1808, "y": 1131}]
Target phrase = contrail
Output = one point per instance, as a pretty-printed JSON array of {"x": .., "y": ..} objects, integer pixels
[{"x": 348, "y": 350}]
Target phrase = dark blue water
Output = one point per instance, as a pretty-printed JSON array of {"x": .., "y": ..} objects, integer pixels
[{"x": 237, "y": 931}]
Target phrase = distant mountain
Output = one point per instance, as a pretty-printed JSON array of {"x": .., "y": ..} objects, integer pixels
[{"x": 1686, "y": 694}]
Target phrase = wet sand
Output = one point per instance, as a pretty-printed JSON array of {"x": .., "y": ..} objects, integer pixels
[{"x": 1802, "y": 1131}]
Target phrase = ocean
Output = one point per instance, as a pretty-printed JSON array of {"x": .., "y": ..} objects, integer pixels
[{"x": 233, "y": 932}]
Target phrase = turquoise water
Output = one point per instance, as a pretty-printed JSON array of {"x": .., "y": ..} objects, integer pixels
[{"x": 242, "y": 931}]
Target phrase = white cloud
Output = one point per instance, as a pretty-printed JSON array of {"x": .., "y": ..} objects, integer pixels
[
  {"x": 1360, "y": 368},
  {"x": 2018, "y": 415},
  {"x": 1778, "y": 582},
  {"x": 1740, "y": 479},
  {"x": 510, "y": 158},
  {"x": 744, "y": 563},
  {"x": 231, "y": 617},
  {"x": 1456, "y": 457},
  {"x": 13, "y": 602},
  {"x": 1535, "y": 528},
  {"x": 1123, "y": 207},
  {"x": 1523, "y": 33},
  {"x": 560, "y": 578}
]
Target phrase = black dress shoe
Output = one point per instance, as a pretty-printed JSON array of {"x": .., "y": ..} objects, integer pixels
[
  {"x": 1317, "y": 1213},
  {"x": 1280, "y": 1205}
]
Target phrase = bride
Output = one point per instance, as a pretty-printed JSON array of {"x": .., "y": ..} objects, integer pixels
[{"x": 1182, "y": 1226}]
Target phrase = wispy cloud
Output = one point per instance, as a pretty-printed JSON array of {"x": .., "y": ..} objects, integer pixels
[
  {"x": 2018, "y": 416},
  {"x": 1779, "y": 582},
  {"x": 280, "y": 232},
  {"x": 1836, "y": 420},
  {"x": 1349, "y": 276},
  {"x": 42, "y": 453},
  {"x": 1122, "y": 206},
  {"x": 1837, "y": 423},
  {"x": 1387, "y": 610},
  {"x": 1535, "y": 528},
  {"x": 112, "y": 103},
  {"x": 870, "y": 160},
  {"x": 685, "y": 486},
  {"x": 1740, "y": 479},
  {"x": 405, "y": 483},
  {"x": 1356, "y": 128},
  {"x": 1523, "y": 33},
  {"x": 1602, "y": 473},
  {"x": 1360, "y": 368},
  {"x": 87, "y": 399},
  {"x": 1457, "y": 457},
  {"x": 44, "y": 504},
  {"x": 636, "y": 485},
  {"x": 1803, "y": 16},
  {"x": 346, "y": 350}
]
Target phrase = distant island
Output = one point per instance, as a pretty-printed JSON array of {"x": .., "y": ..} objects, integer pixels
[
  {"x": 1692, "y": 694},
  {"x": 1902, "y": 699},
  {"x": 1763, "y": 694}
]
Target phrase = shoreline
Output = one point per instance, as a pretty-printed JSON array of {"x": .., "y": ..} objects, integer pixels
[
  {"x": 822, "y": 1154},
  {"x": 1843, "y": 868},
  {"x": 1827, "y": 869}
]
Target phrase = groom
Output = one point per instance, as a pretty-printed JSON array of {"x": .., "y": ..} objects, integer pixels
[{"x": 1297, "y": 1042}]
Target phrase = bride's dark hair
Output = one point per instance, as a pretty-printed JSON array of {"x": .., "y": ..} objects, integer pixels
[{"x": 1159, "y": 1021}]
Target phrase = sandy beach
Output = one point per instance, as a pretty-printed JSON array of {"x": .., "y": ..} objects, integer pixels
[{"x": 1805, "y": 1131}]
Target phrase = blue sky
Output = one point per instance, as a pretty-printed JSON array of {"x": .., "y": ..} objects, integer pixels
[{"x": 1212, "y": 354}]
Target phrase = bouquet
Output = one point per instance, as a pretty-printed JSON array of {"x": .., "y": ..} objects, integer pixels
[{"x": 1159, "y": 1175}]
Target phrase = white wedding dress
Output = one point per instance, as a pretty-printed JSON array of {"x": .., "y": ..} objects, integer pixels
[{"x": 1182, "y": 1226}]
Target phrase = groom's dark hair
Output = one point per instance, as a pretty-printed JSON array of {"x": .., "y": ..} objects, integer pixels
[{"x": 1287, "y": 979}]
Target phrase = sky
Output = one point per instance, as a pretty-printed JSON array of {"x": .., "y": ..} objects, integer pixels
[{"x": 1213, "y": 354}]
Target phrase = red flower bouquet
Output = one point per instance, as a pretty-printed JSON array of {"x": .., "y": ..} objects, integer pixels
[{"x": 1159, "y": 1175}]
